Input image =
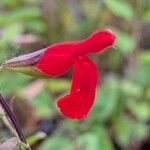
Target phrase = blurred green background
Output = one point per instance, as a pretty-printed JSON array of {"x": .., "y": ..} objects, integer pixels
[{"x": 120, "y": 117}]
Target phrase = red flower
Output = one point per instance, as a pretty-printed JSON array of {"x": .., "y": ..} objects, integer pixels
[{"x": 57, "y": 59}]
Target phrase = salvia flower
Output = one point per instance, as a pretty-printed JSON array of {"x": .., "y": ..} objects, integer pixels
[{"x": 57, "y": 59}]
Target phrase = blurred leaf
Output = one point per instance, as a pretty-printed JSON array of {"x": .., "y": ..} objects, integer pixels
[
  {"x": 12, "y": 82},
  {"x": 146, "y": 16},
  {"x": 125, "y": 43},
  {"x": 36, "y": 25},
  {"x": 148, "y": 94},
  {"x": 42, "y": 99},
  {"x": 92, "y": 140},
  {"x": 10, "y": 3},
  {"x": 42, "y": 104},
  {"x": 10, "y": 32},
  {"x": 104, "y": 140},
  {"x": 58, "y": 84},
  {"x": 124, "y": 130},
  {"x": 140, "y": 74},
  {"x": 35, "y": 138},
  {"x": 140, "y": 109},
  {"x": 55, "y": 142},
  {"x": 24, "y": 14},
  {"x": 106, "y": 100},
  {"x": 96, "y": 140},
  {"x": 130, "y": 88},
  {"x": 3, "y": 54},
  {"x": 144, "y": 57},
  {"x": 88, "y": 141},
  {"x": 92, "y": 8},
  {"x": 42, "y": 112},
  {"x": 141, "y": 130},
  {"x": 116, "y": 59},
  {"x": 120, "y": 8}
]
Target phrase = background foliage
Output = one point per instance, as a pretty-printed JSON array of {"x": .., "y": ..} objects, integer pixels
[{"x": 120, "y": 118}]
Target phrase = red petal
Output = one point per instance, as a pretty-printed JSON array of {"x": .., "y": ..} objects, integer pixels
[
  {"x": 98, "y": 41},
  {"x": 60, "y": 57},
  {"x": 57, "y": 59},
  {"x": 78, "y": 102}
]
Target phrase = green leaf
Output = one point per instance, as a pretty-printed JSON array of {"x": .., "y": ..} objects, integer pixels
[
  {"x": 88, "y": 141},
  {"x": 146, "y": 16},
  {"x": 140, "y": 109},
  {"x": 3, "y": 54},
  {"x": 140, "y": 74},
  {"x": 141, "y": 130},
  {"x": 36, "y": 25},
  {"x": 127, "y": 130},
  {"x": 106, "y": 100},
  {"x": 42, "y": 99},
  {"x": 124, "y": 130},
  {"x": 120, "y": 8},
  {"x": 12, "y": 82},
  {"x": 144, "y": 57},
  {"x": 43, "y": 104},
  {"x": 55, "y": 142},
  {"x": 10, "y": 3},
  {"x": 130, "y": 88},
  {"x": 11, "y": 31},
  {"x": 96, "y": 140},
  {"x": 58, "y": 84},
  {"x": 125, "y": 43},
  {"x": 148, "y": 94},
  {"x": 25, "y": 14},
  {"x": 35, "y": 138}
]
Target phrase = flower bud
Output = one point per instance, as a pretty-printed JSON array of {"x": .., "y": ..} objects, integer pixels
[{"x": 25, "y": 64}]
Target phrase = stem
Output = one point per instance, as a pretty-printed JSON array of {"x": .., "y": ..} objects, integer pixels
[
  {"x": 13, "y": 119},
  {"x": 7, "y": 122}
]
